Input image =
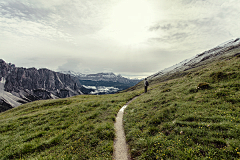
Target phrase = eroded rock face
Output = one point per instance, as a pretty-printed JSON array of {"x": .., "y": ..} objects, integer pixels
[
  {"x": 4, "y": 106},
  {"x": 33, "y": 79},
  {"x": 36, "y": 84},
  {"x": 5, "y": 68}
]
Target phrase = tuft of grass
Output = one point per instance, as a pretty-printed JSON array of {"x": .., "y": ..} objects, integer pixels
[{"x": 185, "y": 122}]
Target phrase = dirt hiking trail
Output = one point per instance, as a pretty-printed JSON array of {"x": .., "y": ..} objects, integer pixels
[{"x": 120, "y": 145}]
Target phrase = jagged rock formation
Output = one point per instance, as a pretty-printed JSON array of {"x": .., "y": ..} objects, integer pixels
[{"x": 21, "y": 85}]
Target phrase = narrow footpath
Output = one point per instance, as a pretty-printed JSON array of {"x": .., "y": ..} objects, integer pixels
[{"x": 120, "y": 144}]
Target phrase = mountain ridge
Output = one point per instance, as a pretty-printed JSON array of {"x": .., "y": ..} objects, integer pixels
[
  {"x": 103, "y": 76},
  {"x": 222, "y": 51},
  {"x": 199, "y": 59},
  {"x": 20, "y": 85},
  {"x": 103, "y": 83}
]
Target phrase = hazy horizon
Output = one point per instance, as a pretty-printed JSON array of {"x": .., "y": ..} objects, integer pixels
[{"x": 134, "y": 38}]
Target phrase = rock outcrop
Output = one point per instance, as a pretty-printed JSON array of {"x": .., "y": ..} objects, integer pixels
[{"x": 31, "y": 84}]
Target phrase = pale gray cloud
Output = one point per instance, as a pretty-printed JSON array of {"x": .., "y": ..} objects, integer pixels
[
  {"x": 200, "y": 24},
  {"x": 98, "y": 35},
  {"x": 17, "y": 9}
]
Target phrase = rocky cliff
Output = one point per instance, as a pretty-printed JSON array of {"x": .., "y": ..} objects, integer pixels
[{"x": 26, "y": 85}]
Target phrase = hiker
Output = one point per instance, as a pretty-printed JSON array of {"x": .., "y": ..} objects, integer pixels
[{"x": 146, "y": 85}]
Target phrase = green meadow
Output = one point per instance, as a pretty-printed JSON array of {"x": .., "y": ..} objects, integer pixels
[
  {"x": 194, "y": 114},
  {"x": 80, "y": 127}
]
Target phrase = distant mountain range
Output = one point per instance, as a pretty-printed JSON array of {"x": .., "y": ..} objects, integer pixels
[
  {"x": 103, "y": 83},
  {"x": 101, "y": 77},
  {"x": 20, "y": 85}
]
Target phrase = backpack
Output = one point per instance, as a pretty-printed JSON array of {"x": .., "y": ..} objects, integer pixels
[{"x": 147, "y": 83}]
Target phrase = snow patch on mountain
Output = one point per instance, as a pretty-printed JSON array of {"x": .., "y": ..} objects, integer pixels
[
  {"x": 96, "y": 90},
  {"x": 6, "y": 98},
  {"x": 90, "y": 87},
  {"x": 193, "y": 61},
  {"x": 103, "y": 83},
  {"x": 105, "y": 90}
]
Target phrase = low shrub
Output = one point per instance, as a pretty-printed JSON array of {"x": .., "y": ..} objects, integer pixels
[{"x": 203, "y": 85}]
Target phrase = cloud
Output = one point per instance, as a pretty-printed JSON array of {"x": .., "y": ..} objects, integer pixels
[
  {"x": 67, "y": 35},
  {"x": 162, "y": 27},
  {"x": 201, "y": 24},
  {"x": 69, "y": 65},
  {"x": 175, "y": 37},
  {"x": 144, "y": 62},
  {"x": 23, "y": 20},
  {"x": 17, "y": 9},
  {"x": 52, "y": 19}
]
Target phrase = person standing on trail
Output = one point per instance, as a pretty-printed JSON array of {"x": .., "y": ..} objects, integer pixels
[{"x": 146, "y": 84}]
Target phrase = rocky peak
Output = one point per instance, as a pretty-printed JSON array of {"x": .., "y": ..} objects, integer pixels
[
  {"x": 32, "y": 84},
  {"x": 5, "y": 68}
]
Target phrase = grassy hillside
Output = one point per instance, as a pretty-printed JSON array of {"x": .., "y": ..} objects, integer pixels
[
  {"x": 80, "y": 127},
  {"x": 175, "y": 120},
  {"x": 224, "y": 54}
]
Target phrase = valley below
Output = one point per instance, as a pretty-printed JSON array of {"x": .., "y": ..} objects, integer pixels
[{"x": 103, "y": 83}]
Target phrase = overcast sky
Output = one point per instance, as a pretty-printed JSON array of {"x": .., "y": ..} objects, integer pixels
[{"x": 134, "y": 38}]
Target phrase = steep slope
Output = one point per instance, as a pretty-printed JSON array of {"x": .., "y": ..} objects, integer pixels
[
  {"x": 189, "y": 114},
  {"x": 224, "y": 50},
  {"x": 34, "y": 84}
]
